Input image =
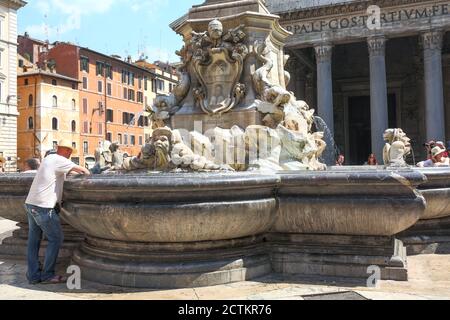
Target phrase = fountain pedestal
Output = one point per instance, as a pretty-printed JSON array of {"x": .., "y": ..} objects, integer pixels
[{"x": 338, "y": 255}]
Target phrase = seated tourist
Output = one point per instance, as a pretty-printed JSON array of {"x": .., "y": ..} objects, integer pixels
[
  {"x": 31, "y": 165},
  {"x": 340, "y": 161},
  {"x": 372, "y": 160},
  {"x": 438, "y": 159}
]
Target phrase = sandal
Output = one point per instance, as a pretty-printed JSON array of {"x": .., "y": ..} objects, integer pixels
[{"x": 55, "y": 280}]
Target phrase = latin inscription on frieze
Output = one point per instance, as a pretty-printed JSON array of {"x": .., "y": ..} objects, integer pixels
[{"x": 387, "y": 16}]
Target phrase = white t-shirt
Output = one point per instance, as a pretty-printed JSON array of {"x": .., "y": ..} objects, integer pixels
[{"x": 47, "y": 188}]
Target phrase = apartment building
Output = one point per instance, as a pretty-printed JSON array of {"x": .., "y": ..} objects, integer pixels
[
  {"x": 8, "y": 83},
  {"x": 49, "y": 111}
]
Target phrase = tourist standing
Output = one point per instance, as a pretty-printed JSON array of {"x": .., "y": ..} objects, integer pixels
[{"x": 43, "y": 206}]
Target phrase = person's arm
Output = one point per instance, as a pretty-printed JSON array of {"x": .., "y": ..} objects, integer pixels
[{"x": 79, "y": 170}]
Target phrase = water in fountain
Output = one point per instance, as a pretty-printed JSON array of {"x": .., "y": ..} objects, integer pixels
[{"x": 331, "y": 152}]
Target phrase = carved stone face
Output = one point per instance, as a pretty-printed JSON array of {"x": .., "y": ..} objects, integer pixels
[
  {"x": 215, "y": 30},
  {"x": 162, "y": 143}
]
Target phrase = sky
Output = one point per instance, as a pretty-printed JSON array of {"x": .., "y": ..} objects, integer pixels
[{"x": 123, "y": 27}]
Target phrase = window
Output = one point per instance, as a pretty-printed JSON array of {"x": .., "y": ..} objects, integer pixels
[
  {"x": 74, "y": 126},
  {"x": 124, "y": 76},
  {"x": 74, "y": 86},
  {"x": 26, "y": 82},
  {"x": 145, "y": 83},
  {"x": 85, "y": 147},
  {"x": 140, "y": 97},
  {"x": 74, "y": 104},
  {"x": 85, "y": 83},
  {"x": 85, "y": 106},
  {"x": 20, "y": 63},
  {"x": 109, "y": 136},
  {"x": 30, "y": 123},
  {"x": 84, "y": 64},
  {"x": 85, "y": 127},
  {"x": 55, "y": 145},
  {"x": 109, "y": 115},
  {"x": 170, "y": 87},
  {"x": 55, "y": 101},
  {"x": 125, "y": 93},
  {"x": 99, "y": 68},
  {"x": 109, "y": 71},
  {"x": 141, "y": 121},
  {"x": 133, "y": 140},
  {"x": 161, "y": 85},
  {"x": 139, "y": 82},
  {"x": 100, "y": 86},
  {"x": 74, "y": 145},
  {"x": 100, "y": 107},
  {"x": 109, "y": 89},
  {"x": 54, "y": 82},
  {"x": 140, "y": 141},
  {"x": 126, "y": 118},
  {"x": 100, "y": 128},
  {"x": 154, "y": 89},
  {"x": 131, "y": 78},
  {"x": 119, "y": 138},
  {"x": 131, "y": 95},
  {"x": 55, "y": 124},
  {"x": 125, "y": 139},
  {"x": 30, "y": 100}
]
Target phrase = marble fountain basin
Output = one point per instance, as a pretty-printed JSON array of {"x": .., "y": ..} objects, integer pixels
[
  {"x": 13, "y": 192},
  {"x": 14, "y": 189},
  {"x": 432, "y": 233},
  {"x": 436, "y": 191},
  {"x": 201, "y": 229}
]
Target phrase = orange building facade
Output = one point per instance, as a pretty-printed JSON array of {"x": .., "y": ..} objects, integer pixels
[{"x": 112, "y": 94}]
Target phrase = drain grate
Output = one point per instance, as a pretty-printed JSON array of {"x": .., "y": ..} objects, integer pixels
[{"x": 346, "y": 295}]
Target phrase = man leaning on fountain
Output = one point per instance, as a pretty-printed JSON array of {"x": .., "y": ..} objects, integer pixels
[{"x": 43, "y": 205}]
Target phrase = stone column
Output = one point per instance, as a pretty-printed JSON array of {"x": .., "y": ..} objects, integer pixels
[
  {"x": 434, "y": 91},
  {"x": 378, "y": 94},
  {"x": 324, "y": 53}
]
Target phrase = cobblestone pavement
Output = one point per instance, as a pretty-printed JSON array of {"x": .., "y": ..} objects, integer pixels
[{"x": 429, "y": 278}]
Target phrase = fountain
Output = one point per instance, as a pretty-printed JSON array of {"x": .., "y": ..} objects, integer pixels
[{"x": 246, "y": 195}]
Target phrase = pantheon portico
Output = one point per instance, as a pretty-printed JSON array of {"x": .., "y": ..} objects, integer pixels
[{"x": 369, "y": 68}]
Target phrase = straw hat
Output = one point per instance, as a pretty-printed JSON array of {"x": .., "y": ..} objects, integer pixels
[
  {"x": 64, "y": 143},
  {"x": 437, "y": 151}
]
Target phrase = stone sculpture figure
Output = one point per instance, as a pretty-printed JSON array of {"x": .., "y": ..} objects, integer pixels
[
  {"x": 107, "y": 157},
  {"x": 166, "y": 151},
  {"x": 398, "y": 146},
  {"x": 265, "y": 89},
  {"x": 166, "y": 106},
  {"x": 212, "y": 80}
]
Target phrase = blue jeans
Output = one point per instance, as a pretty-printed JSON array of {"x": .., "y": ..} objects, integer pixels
[{"x": 43, "y": 221}]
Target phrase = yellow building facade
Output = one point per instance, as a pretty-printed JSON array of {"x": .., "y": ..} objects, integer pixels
[{"x": 49, "y": 111}]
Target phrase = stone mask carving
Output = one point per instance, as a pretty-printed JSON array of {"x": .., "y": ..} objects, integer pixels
[{"x": 398, "y": 146}]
